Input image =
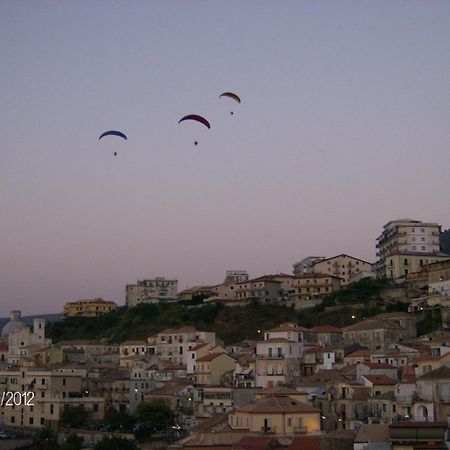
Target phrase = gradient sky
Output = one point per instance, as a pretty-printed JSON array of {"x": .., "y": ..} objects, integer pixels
[{"x": 343, "y": 126}]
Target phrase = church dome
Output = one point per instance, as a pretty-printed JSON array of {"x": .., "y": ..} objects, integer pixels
[{"x": 14, "y": 325}]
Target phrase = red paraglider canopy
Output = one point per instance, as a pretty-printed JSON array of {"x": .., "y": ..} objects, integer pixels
[{"x": 197, "y": 118}]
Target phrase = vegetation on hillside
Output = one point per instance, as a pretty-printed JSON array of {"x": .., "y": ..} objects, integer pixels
[{"x": 231, "y": 324}]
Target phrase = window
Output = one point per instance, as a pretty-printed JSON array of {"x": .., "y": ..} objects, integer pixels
[{"x": 270, "y": 352}]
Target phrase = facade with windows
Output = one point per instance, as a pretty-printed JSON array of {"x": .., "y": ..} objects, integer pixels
[
  {"x": 153, "y": 290},
  {"x": 405, "y": 245},
  {"x": 47, "y": 393},
  {"x": 342, "y": 266},
  {"x": 89, "y": 307}
]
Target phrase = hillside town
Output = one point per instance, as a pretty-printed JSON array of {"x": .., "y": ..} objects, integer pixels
[{"x": 374, "y": 384}]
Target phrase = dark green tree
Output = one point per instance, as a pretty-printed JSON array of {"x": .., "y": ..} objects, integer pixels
[
  {"x": 118, "y": 420},
  {"x": 73, "y": 442},
  {"x": 155, "y": 414},
  {"x": 115, "y": 443},
  {"x": 45, "y": 439},
  {"x": 74, "y": 416}
]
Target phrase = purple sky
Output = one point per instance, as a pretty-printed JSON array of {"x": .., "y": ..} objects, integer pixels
[{"x": 343, "y": 126}]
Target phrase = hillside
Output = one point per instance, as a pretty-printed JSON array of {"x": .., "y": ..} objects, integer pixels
[{"x": 232, "y": 324}]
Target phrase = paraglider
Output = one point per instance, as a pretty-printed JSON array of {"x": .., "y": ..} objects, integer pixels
[
  {"x": 113, "y": 133},
  {"x": 196, "y": 118},
  {"x": 231, "y": 95}
]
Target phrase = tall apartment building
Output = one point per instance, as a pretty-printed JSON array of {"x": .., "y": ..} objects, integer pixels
[
  {"x": 405, "y": 245},
  {"x": 153, "y": 290}
]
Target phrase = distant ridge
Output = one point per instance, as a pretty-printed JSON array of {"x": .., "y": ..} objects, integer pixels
[{"x": 28, "y": 320}]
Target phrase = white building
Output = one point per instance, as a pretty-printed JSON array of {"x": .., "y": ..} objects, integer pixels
[
  {"x": 406, "y": 236},
  {"x": 278, "y": 356},
  {"x": 20, "y": 337},
  {"x": 154, "y": 290},
  {"x": 173, "y": 344},
  {"x": 305, "y": 266}
]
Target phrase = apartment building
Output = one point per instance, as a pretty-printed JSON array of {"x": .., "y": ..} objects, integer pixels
[
  {"x": 343, "y": 266},
  {"x": 278, "y": 356},
  {"x": 308, "y": 290},
  {"x": 48, "y": 392},
  {"x": 153, "y": 290},
  {"x": 264, "y": 289},
  {"x": 305, "y": 266},
  {"x": 172, "y": 344},
  {"x": 375, "y": 333},
  {"x": 279, "y": 415},
  {"x": 92, "y": 307},
  {"x": 405, "y": 245},
  {"x": 211, "y": 369}
]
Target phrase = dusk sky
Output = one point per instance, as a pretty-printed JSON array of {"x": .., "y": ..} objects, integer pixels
[{"x": 344, "y": 125}]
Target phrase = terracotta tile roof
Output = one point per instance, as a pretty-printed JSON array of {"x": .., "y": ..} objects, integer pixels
[
  {"x": 170, "y": 388},
  {"x": 197, "y": 347},
  {"x": 279, "y": 390},
  {"x": 358, "y": 353},
  {"x": 211, "y": 356},
  {"x": 374, "y": 324},
  {"x": 426, "y": 358},
  {"x": 379, "y": 379},
  {"x": 325, "y": 329},
  {"x": 305, "y": 443},
  {"x": 277, "y": 404},
  {"x": 256, "y": 443},
  {"x": 372, "y": 365},
  {"x": 437, "y": 374},
  {"x": 342, "y": 255}
]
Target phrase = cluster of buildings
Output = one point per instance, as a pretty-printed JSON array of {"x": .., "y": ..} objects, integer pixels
[
  {"x": 407, "y": 250},
  {"x": 291, "y": 384},
  {"x": 374, "y": 383}
]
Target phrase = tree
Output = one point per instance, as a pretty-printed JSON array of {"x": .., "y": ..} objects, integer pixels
[
  {"x": 45, "y": 439},
  {"x": 155, "y": 414},
  {"x": 115, "y": 443},
  {"x": 118, "y": 420},
  {"x": 74, "y": 416},
  {"x": 73, "y": 442}
]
